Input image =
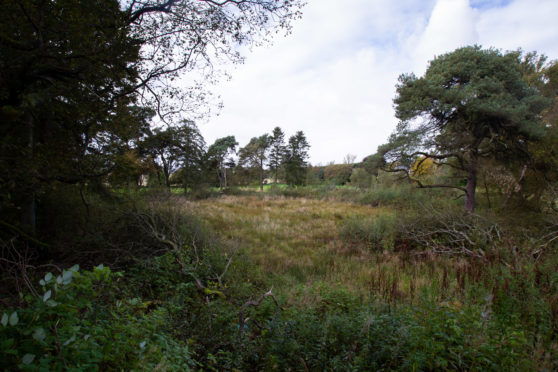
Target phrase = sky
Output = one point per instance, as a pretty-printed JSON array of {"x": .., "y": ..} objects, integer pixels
[{"x": 334, "y": 76}]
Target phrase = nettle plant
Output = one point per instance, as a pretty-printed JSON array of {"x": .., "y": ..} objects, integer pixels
[{"x": 56, "y": 330}]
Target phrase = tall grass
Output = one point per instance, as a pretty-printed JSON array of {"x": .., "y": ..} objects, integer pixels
[{"x": 307, "y": 247}]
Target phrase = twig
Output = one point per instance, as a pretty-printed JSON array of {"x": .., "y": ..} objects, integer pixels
[
  {"x": 58, "y": 345},
  {"x": 242, "y": 320}
]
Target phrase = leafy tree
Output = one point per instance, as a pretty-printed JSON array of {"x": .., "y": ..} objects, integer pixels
[
  {"x": 255, "y": 153},
  {"x": 64, "y": 66},
  {"x": 173, "y": 148},
  {"x": 192, "y": 153},
  {"x": 295, "y": 159},
  {"x": 217, "y": 158},
  {"x": 472, "y": 104},
  {"x": 277, "y": 151},
  {"x": 361, "y": 178},
  {"x": 338, "y": 174},
  {"x": 542, "y": 175}
]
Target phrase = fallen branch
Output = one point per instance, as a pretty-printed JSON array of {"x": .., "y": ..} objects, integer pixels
[{"x": 242, "y": 320}]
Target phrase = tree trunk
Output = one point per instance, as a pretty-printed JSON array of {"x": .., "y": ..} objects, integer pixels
[
  {"x": 261, "y": 175},
  {"x": 167, "y": 177},
  {"x": 29, "y": 206},
  {"x": 225, "y": 176},
  {"x": 471, "y": 185},
  {"x": 220, "y": 176}
]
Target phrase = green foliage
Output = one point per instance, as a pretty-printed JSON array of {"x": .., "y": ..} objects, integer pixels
[
  {"x": 470, "y": 104},
  {"x": 360, "y": 178},
  {"x": 174, "y": 148},
  {"x": 377, "y": 233},
  {"x": 348, "y": 335},
  {"x": 255, "y": 154},
  {"x": 338, "y": 174},
  {"x": 277, "y": 152},
  {"x": 295, "y": 159},
  {"x": 79, "y": 324}
]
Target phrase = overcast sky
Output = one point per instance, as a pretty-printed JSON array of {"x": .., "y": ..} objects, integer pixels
[{"x": 334, "y": 77}]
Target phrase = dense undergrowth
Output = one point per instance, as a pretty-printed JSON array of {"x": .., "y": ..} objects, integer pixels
[{"x": 275, "y": 282}]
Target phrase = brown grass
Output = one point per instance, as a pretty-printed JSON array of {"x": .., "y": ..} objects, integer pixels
[{"x": 296, "y": 244}]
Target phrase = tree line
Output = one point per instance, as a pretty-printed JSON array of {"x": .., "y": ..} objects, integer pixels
[{"x": 178, "y": 155}]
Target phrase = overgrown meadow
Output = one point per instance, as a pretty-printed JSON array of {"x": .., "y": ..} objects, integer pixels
[
  {"x": 314, "y": 278},
  {"x": 128, "y": 243}
]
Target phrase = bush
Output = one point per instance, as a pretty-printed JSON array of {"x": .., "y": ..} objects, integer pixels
[
  {"x": 338, "y": 174},
  {"x": 377, "y": 233},
  {"x": 361, "y": 178},
  {"x": 77, "y": 323}
]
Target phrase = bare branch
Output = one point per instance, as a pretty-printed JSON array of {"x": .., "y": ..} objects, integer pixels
[{"x": 242, "y": 319}]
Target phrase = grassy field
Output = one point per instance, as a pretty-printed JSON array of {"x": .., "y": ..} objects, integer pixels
[
  {"x": 295, "y": 241},
  {"x": 298, "y": 246},
  {"x": 351, "y": 291}
]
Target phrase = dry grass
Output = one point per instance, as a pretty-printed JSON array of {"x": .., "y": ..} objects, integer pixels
[
  {"x": 294, "y": 241},
  {"x": 296, "y": 244}
]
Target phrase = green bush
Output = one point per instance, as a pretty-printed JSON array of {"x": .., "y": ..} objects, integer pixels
[
  {"x": 378, "y": 233},
  {"x": 77, "y": 323}
]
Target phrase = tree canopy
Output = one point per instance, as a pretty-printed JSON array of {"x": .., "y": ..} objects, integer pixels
[
  {"x": 255, "y": 153},
  {"x": 471, "y": 104},
  {"x": 296, "y": 156}
]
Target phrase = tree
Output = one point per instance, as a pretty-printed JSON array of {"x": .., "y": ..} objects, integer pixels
[
  {"x": 277, "y": 151},
  {"x": 295, "y": 159},
  {"x": 255, "y": 153},
  {"x": 338, "y": 174},
  {"x": 472, "y": 104},
  {"x": 542, "y": 175},
  {"x": 64, "y": 65},
  {"x": 217, "y": 157},
  {"x": 175, "y": 148},
  {"x": 349, "y": 159},
  {"x": 177, "y": 36},
  {"x": 192, "y": 146}
]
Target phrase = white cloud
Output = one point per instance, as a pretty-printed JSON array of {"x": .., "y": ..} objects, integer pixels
[
  {"x": 526, "y": 24},
  {"x": 452, "y": 25},
  {"x": 334, "y": 77}
]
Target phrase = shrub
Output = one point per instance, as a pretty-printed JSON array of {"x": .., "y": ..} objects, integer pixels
[
  {"x": 79, "y": 324},
  {"x": 338, "y": 174},
  {"x": 377, "y": 233},
  {"x": 361, "y": 178}
]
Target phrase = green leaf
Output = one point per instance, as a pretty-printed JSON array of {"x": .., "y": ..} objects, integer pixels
[
  {"x": 14, "y": 319},
  {"x": 51, "y": 303},
  {"x": 39, "y": 334},
  {"x": 67, "y": 277},
  {"x": 74, "y": 268},
  {"x": 42, "y": 282},
  {"x": 48, "y": 277},
  {"x": 6, "y": 344},
  {"x": 28, "y": 358},
  {"x": 208, "y": 291},
  {"x": 70, "y": 340},
  {"x": 47, "y": 295},
  {"x": 5, "y": 319}
]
